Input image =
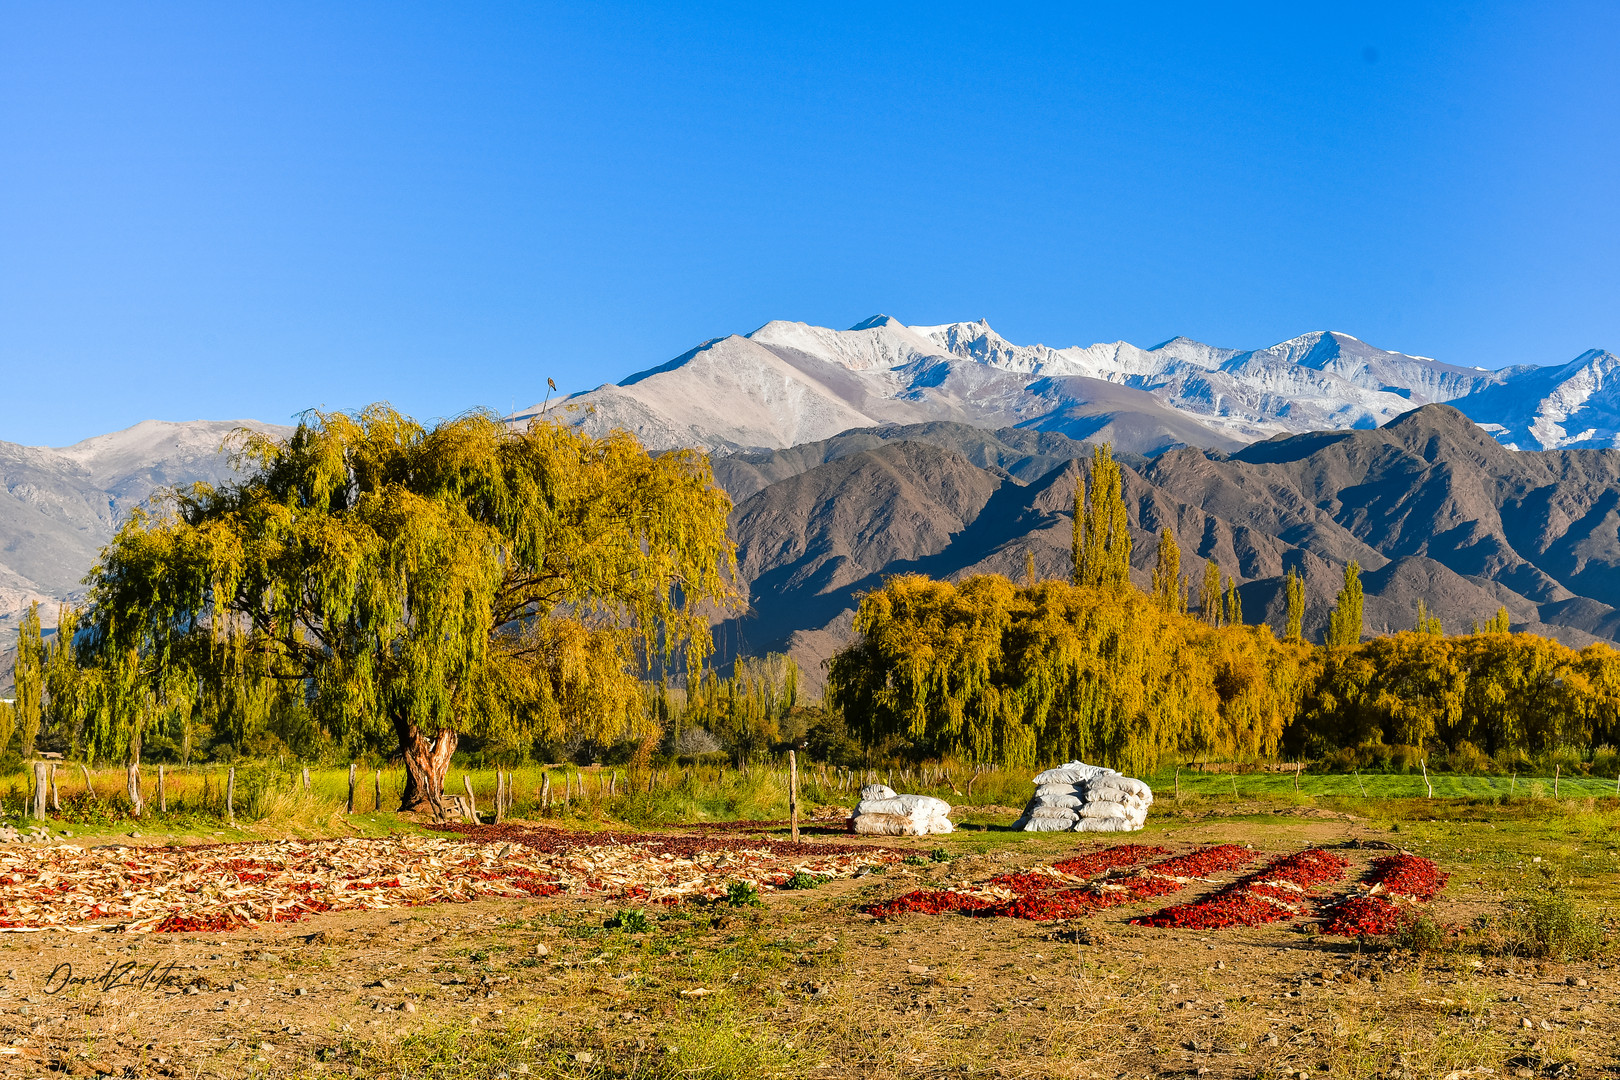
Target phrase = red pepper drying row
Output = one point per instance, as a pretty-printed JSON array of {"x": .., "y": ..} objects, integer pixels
[
  {"x": 1045, "y": 896},
  {"x": 1275, "y": 891},
  {"x": 1389, "y": 882}
]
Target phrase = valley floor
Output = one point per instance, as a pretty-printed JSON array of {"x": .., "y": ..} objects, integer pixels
[{"x": 804, "y": 985}]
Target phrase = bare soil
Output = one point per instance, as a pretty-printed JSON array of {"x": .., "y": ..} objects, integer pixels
[{"x": 804, "y": 985}]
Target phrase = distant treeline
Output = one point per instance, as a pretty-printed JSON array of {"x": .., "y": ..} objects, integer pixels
[{"x": 1094, "y": 668}]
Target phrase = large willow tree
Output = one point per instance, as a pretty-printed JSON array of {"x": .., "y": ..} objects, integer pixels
[
  {"x": 992, "y": 671},
  {"x": 412, "y": 584}
]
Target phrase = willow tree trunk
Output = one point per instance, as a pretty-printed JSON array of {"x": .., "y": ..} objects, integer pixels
[{"x": 427, "y": 762}]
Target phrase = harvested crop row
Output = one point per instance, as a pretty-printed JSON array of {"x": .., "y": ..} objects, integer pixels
[
  {"x": 1057, "y": 891},
  {"x": 1391, "y": 882},
  {"x": 225, "y": 887},
  {"x": 1276, "y": 891}
]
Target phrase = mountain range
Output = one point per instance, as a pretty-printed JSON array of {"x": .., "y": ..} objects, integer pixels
[
  {"x": 852, "y": 455},
  {"x": 789, "y": 383}
]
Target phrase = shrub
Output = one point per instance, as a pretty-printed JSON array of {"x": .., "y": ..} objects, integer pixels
[
  {"x": 802, "y": 880},
  {"x": 742, "y": 894},
  {"x": 1420, "y": 933},
  {"x": 631, "y": 921},
  {"x": 1465, "y": 757},
  {"x": 1543, "y": 921}
]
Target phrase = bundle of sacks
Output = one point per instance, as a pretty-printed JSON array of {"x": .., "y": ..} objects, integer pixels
[
  {"x": 884, "y": 813},
  {"x": 1075, "y": 797}
]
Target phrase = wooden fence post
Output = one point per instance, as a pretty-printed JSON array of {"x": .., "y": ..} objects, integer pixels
[
  {"x": 1360, "y": 785},
  {"x": 793, "y": 795},
  {"x": 163, "y": 795},
  {"x": 40, "y": 784},
  {"x": 88, "y": 786},
  {"x": 500, "y": 796},
  {"x": 472, "y": 803},
  {"x": 132, "y": 777},
  {"x": 1556, "y": 769},
  {"x": 56, "y": 792},
  {"x": 545, "y": 791},
  {"x": 376, "y": 781},
  {"x": 1423, "y": 763},
  {"x": 1178, "y": 780},
  {"x": 306, "y": 779},
  {"x": 351, "y": 787},
  {"x": 230, "y": 796}
]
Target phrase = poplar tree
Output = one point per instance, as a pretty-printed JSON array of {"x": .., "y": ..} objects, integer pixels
[
  {"x": 1167, "y": 573},
  {"x": 1428, "y": 624},
  {"x": 1209, "y": 597},
  {"x": 1234, "y": 604},
  {"x": 410, "y": 585},
  {"x": 1499, "y": 623},
  {"x": 1344, "y": 624},
  {"x": 1296, "y": 606},
  {"x": 1102, "y": 535},
  {"x": 29, "y": 680},
  {"x": 1077, "y": 543}
]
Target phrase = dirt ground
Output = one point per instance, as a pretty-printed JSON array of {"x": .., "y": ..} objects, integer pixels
[{"x": 804, "y": 985}]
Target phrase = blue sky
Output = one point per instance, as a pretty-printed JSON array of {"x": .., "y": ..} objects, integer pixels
[{"x": 233, "y": 210}]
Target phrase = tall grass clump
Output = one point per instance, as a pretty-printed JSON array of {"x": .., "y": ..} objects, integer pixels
[{"x": 1542, "y": 920}]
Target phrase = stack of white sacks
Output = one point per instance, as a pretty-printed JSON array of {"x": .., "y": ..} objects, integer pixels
[
  {"x": 1075, "y": 797},
  {"x": 881, "y": 812}
]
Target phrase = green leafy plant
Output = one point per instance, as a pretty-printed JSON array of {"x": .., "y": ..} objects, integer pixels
[
  {"x": 631, "y": 921},
  {"x": 742, "y": 894},
  {"x": 802, "y": 880},
  {"x": 939, "y": 854}
]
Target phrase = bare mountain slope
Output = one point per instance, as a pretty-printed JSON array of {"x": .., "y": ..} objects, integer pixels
[{"x": 58, "y": 507}]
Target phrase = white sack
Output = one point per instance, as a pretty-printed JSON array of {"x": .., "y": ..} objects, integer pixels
[
  {"x": 1112, "y": 810},
  {"x": 1042, "y": 825},
  {"x": 899, "y": 825},
  {"x": 1054, "y": 813},
  {"x": 877, "y": 791},
  {"x": 1060, "y": 789},
  {"x": 1106, "y": 824},
  {"x": 1072, "y": 772},
  {"x": 1070, "y": 801},
  {"x": 1106, "y": 787},
  {"x": 912, "y": 805}
]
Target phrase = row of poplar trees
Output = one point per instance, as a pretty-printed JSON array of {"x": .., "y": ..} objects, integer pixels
[{"x": 1096, "y": 669}]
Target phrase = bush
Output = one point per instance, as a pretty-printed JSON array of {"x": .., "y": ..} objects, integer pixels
[
  {"x": 1467, "y": 758},
  {"x": 631, "y": 921},
  {"x": 742, "y": 894},
  {"x": 1421, "y": 934},
  {"x": 802, "y": 880},
  {"x": 695, "y": 742},
  {"x": 1543, "y": 921}
]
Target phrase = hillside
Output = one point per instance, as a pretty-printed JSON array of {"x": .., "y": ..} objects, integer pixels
[
  {"x": 58, "y": 507},
  {"x": 1431, "y": 506}
]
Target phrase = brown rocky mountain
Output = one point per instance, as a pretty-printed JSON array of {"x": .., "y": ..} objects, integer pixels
[{"x": 1430, "y": 505}]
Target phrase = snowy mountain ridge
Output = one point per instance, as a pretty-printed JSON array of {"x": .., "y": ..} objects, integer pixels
[{"x": 791, "y": 382}]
